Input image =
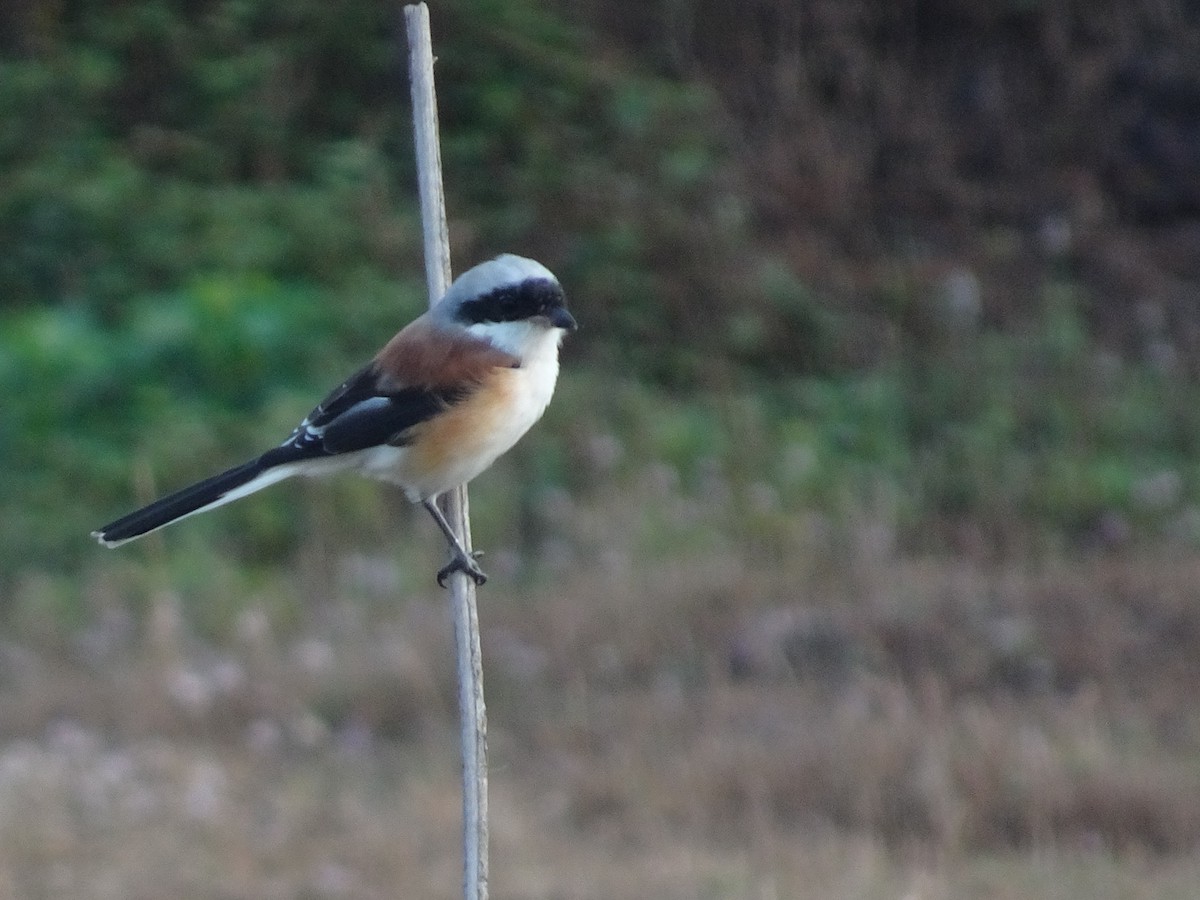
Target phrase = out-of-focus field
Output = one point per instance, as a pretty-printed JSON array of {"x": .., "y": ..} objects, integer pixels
[{"x": 690, "y": 727}]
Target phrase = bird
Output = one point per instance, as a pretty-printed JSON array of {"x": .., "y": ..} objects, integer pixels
[{"x": 436, "y": 406}]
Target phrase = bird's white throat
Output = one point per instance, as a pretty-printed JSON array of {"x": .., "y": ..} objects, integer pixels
[{"x": 527, "y": 341}]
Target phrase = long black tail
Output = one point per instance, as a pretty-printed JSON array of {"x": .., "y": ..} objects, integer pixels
[{"x": 200, "y": 497}]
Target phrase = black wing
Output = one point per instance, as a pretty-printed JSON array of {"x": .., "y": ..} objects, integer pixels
[{"x": 363, "y": 412}]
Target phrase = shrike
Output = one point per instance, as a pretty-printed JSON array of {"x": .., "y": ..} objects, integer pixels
[{"x": 436, "y": 406}]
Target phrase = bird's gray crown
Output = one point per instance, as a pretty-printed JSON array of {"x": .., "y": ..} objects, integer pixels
[{"x": 508, "y": 288}]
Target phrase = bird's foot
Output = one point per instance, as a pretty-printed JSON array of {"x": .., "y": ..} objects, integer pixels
[{"x": 464, "y": 563}]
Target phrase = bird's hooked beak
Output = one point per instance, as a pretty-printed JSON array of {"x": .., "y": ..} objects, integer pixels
[{"x": 560, "y": 318}]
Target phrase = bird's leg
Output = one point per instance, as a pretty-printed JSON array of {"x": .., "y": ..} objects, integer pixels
[{"x": 463, "y": 560}]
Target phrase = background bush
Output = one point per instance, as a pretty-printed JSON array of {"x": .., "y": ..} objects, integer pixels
[{"x": 939, "y": 254}]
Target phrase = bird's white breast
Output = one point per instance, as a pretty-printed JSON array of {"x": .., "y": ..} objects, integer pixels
[{"x": 459, "y": 443}]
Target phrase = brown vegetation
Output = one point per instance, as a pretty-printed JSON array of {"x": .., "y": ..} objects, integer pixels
[
  {"x": 889, "y": 146},
  {"x": 700, "y": 728}
]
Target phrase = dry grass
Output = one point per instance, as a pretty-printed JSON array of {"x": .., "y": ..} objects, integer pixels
[
  {"x": 155, "y": 818},
  {"x": 698, "y": 727}
]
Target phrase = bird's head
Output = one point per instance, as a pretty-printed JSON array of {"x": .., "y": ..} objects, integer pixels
[{"x": 513, "y": 302}]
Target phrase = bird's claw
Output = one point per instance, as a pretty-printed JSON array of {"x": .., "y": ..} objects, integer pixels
[{"x": 466, "y": 565}]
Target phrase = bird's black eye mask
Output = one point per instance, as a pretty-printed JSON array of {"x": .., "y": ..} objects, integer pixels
[{"x": 514, "y": 302}]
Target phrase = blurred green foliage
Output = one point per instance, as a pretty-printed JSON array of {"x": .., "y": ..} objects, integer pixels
[
  {"x": 144, "y": 142},
  {"x": 205, "y": 205},
  {"x": 148, "y": 141},
  {"x": 171, "y": 383},
  {"x": 206, "y": 219}
]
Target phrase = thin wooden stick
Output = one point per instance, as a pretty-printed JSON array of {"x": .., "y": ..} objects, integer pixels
[{"x": 472, "y": 712}]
